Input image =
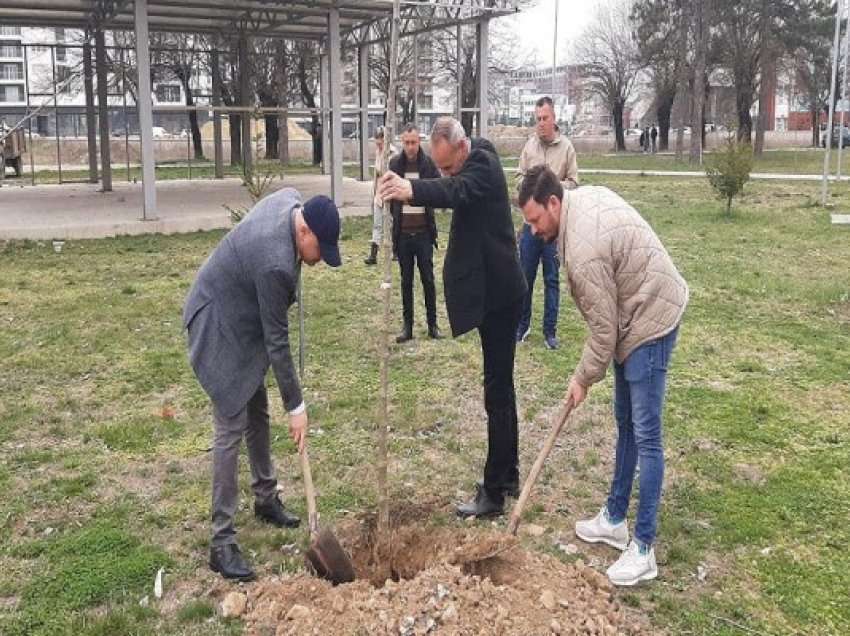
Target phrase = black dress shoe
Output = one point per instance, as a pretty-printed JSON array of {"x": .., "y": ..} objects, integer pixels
[
  {"x": 406, "y": 334},
  {"x": 273, "y": 512},
  {"x": 227, "y": 560},
  {"x": 510, "y": 489},
  {"x": 485, "y": 504},
  {"x": 434, "y": 332}
]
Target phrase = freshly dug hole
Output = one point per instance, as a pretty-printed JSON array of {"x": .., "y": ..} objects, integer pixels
[{"x": 440, "y": 580}]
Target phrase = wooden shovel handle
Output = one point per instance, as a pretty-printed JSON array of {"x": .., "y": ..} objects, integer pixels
[
  {"x": 516, "y": 513},
  {"x": 312, "y": 514}
]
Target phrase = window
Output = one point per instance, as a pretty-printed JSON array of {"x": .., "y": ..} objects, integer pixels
[
  {"x": 168, "y": 93},
  {"x": 10, "y": 30},
  {"x": 11, "y": 71},
  {"x": 10, "y": 49},
  {"x": 11, "y": 93},
  {"x": 63, "y": 73}
]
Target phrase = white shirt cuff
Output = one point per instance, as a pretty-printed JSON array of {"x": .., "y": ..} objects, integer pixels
[{"x": 298, "y": 410}]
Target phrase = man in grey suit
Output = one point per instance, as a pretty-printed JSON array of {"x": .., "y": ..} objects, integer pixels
[{"x": 236, "y": 316}]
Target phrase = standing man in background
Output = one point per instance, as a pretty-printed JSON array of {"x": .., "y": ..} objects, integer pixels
[
  {"x": 415, "y": 234},
  {"x": 377, "y": 206},
  {"x": 549, "y": 148}
]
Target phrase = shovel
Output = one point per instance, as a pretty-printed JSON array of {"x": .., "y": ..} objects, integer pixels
[
  {"x": 326, "y": 557},
  {"x": 516, "y": 513}
]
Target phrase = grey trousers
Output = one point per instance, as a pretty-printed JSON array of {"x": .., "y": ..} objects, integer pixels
[
  {"x": 252, "y": 422},
  {"x": 377, "y": 223}
]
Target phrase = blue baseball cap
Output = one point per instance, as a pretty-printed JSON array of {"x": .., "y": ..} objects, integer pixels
[{"x": 322, "y": 217}]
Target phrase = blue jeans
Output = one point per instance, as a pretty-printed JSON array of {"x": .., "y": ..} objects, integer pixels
[
  {"x": 532, "y": 250},
  {"x": 639, "y": 385}
]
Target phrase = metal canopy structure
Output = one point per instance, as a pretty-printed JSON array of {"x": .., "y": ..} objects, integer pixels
[{"x": 335, "y": 24}]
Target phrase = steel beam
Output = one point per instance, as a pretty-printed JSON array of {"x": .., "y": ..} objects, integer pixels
[
  {"x": 144, "y": 108},
  {"x": 335, "y": 71},
  {"x": 103, "y": 111}
]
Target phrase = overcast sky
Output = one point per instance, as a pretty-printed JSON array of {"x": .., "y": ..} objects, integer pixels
[{"x": 536, "y": 26}]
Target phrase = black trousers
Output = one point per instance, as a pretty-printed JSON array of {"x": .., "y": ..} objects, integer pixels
[
  {"x": 498, "y": 346},
  {"x": 417, "y": 247}
]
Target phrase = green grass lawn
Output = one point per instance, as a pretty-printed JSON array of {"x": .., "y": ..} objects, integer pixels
[
  {"x": 104, "y": 432},
  {"x": 793, "y": 161}
]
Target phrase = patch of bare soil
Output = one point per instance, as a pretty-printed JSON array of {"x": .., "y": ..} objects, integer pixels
[{"x": 438, "y": 580}]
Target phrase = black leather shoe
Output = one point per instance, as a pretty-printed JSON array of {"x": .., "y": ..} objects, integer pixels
[
  {"x": 406, "y": 334},
  {"x": 372, "y": 259},
  {"x": 510, "y": 489},
  {"x": 485, "y": 504},
  {"x": 227, "y": 560},
  {"x": 434, "y": 332},
  {"x": 273, "y": 512}
]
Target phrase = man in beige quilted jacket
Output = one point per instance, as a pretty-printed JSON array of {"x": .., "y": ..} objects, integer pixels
[{"x": 632, "y": 297}]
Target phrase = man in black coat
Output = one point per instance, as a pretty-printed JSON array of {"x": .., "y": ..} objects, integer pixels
[
  {"x": 484, "y": 285},
  {"x": 415, "y": 234}
]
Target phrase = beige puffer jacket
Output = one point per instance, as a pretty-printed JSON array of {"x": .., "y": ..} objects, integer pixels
[{"x": 620, "y": 276}]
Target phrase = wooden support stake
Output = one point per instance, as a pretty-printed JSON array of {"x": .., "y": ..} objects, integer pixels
[{"x": 386, "y": 286}]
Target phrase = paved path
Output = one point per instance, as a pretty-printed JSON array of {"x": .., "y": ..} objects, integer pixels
[{"x": 80, "y": 211}]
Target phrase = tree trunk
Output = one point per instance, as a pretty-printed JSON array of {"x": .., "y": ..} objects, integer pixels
[
  {"x": 272, "y": 136},
  {"x": 619, "y": 136},
  {"x": 197, "y": 145},
  {"x": 235, "y": 125},
  {"x": 283, "y": 139},
  {"x": 745, "y": 120},
  {"x": 698, "y": 93},
  {"x": 768, "y": 72},
  {"x": 815, "y": 127},
  {"x": 662, "y": 113}
]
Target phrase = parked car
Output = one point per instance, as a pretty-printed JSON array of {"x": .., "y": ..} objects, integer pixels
[
  {"x": 845, "y": 137},
  {"x": 160, "y": 133}
]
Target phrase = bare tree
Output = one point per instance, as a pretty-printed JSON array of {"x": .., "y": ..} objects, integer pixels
[
  {"x": 663, "y": 51},
  {"x": 609, "y": 53},
  {"x": 179, "y": 55},
  {"x": 811, "y": 63},
  {"x": 504, "y": 58}
]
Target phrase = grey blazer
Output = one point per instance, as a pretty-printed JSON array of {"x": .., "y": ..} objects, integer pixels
[{"x": 236, "y": 310}]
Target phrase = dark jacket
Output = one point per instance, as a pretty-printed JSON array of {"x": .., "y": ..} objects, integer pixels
[
  {"x": 481, "y": 271},
  {"x": 236, "y": 309},
  {"x": 427, "y": 170}
]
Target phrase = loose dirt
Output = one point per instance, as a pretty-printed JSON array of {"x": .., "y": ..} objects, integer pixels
[{"x": 441, "y": 580}]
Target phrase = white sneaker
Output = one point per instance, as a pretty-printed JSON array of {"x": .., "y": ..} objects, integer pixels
[
  {"x": 633, "y": 567},
  {"x": 600, "y": 530}
]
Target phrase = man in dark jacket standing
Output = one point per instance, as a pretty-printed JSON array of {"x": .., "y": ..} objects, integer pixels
[
  {"x": 236, "y": 316},
  {"x": 484, "y": 285},
  {"x": 415, "y": 234}
]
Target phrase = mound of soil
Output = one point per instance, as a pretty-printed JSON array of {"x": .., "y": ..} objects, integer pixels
[{"x": 440, "y": 580}]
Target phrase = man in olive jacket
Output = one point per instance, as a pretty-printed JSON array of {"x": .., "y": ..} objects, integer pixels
[
  {"x": 484, "y": 285},
  {"x": 632, "y": 297},
  {"x": 236, "y": 318}
]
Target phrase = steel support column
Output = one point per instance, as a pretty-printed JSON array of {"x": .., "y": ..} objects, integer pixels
[
  {"x": 103, "y": 111},
  {"x": 363, "y": 57},
  {"x": 216, "y": 100},
  {"x": 91, "y": 118},
  {"x": 483, "y": 42},
  {"x": 244, "y": 90},
  {"x": 145, "y": 109},
  {"x": 335, "y": 71}
]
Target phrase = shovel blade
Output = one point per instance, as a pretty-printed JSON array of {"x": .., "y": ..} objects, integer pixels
[{"x": 328, "y": 559}]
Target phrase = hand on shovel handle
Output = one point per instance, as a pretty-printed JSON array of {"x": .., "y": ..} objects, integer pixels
[
  {"x": 298, "y": 425},
  {"x": 516, "y": 513}
]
